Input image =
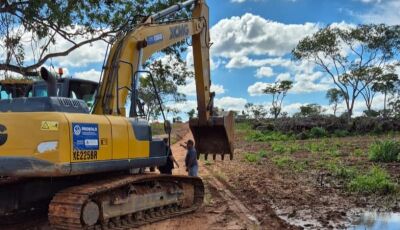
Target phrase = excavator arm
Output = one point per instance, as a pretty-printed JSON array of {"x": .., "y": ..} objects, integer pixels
[{"x": 129, "y": 52}]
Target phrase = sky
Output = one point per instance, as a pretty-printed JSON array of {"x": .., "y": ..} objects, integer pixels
[{"x": 252, "y": 41}]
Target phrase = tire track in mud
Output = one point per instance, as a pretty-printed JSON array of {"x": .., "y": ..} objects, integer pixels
[{"x": 245, "y": 215}]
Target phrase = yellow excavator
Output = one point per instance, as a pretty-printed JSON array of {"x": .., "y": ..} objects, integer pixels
[{"x": 85, "y": 166}]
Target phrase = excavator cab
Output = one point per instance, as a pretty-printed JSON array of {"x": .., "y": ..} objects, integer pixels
[{"x": 214, "y": 137}]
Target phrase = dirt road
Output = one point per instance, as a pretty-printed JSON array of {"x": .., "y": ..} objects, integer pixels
[{"x": 221, "y": 210}]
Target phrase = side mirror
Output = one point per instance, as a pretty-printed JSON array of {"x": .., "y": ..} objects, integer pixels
[{"x": 167, "y": 127}]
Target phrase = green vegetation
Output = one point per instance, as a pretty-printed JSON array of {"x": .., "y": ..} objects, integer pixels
[
  {"x": 243, "y": 126},
  {"x": 375, "y": 181},
  {"x": 318, "y": 132},
  {"x": 358, "y": 153},
  {"x": 278, "y": 147},
  {"x": 341, "y": 133},
  {"x": 316, "y": 147},
  {"x": 282, "y": 161},
  {"x": 258, "y": 136},
  {"x": 255, "y": 157},
  {"x": 341, "y": 171},
  {"x": 384, "y": 151},
  {"x": 289, "y": 162}
]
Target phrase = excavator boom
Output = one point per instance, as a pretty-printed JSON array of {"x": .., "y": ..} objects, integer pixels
[{"x": 212, "y": 134}]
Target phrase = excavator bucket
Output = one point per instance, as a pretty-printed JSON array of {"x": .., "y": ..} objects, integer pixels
[{"x": 216, "y": 137}]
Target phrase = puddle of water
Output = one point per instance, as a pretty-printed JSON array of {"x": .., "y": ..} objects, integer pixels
[{"x": 377, "y": 221}]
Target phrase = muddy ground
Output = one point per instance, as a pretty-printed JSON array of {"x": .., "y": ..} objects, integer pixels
[
  {"x": 301, "y": 194},
  {"x": 262, "y": 193}
]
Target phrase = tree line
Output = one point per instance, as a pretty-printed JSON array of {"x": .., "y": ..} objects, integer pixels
[{"x": 361, "y": 61}]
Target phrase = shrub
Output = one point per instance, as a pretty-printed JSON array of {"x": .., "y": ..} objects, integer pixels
[
  {"x": 384, "y": 151},
  {"x": 251, "y": 157},
  {"x": 258, "y": 136},
  {"x": 255, "y": 157},
  {"x": 341, "y": 171},
  {"x": 278, "y": 148},
  {"x": 341, "y": 133},
  {"x": 318, "y": 132},
  {"x": 263, "y": 154},
  {"x": 375, "y": 181}
]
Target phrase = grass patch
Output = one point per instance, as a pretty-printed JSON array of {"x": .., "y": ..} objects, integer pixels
[
  {"x": 243, "y": 126},
  {"x": 289, "y": 162},
  {"x": 278, "y": 147},
  {"x": 255, "y": 157},
  {"x": 341, "y": 171},
  {"x": 376, "y": 181},
  {"x": 316, "y": 147},
  {"x": 358, "y": 153},
  {"x": 258, "y": 136},
  {"x": 384, "y": 151}
]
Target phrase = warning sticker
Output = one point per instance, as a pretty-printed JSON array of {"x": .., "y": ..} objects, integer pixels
[
  {"x": 49, "y": 126},
  {"x": 85, "y": 136}
]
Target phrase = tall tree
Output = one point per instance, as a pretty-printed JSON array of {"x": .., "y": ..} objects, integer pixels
[
  {"x": 353, "y": 57},
  {"x": 168, "y": 74},
  {"x": 278, "y": 90},
  {"x": 386, "y": 84},
  {"x": 255, "y": 111},
  {"x": 310, "y": 110},
  {"x": 31, "y": 30},
  {"x": 334, "y": 96}
]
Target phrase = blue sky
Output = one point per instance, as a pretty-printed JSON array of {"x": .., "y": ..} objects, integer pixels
[
  {"x": 280, "y": 20},
  {"x": 252, "y": 40}
]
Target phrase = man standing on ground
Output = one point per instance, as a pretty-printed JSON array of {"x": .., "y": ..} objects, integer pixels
[
  {"x": 167, "y": 168},
  {"x": 191, "y": 159}
]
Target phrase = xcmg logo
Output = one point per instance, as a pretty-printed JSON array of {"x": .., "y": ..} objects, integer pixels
[
  {"x": 179, "y": 31},
  {"x": 3, "y": 134}
]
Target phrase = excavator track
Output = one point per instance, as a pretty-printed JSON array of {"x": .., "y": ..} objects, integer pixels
[{"x": 125, "y": 201}]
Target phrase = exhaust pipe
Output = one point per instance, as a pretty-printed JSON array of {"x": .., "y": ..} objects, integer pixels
[{"x": 50, "y": 80}]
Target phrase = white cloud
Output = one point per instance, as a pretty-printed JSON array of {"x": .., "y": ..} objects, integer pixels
[
  {"x": 243, "y": 61},
  {"x": 91, "y": 75},
  {"x": 225, "y": 103},
  {"x": 382, "y": 12},
  {"x": 189, "y": 60},
  {"x": 370, "y": 1},
  {"x": 257, "y": 88},
  {"x": 283, "y": 77},
  {"x": 264, "y": 71},
  {"x": 183, "y": 107},
  {"x": 190, "y": 88},
  {"x": 253, "y": 35},
  {"x": 310, "y": 82},
  {"x": 230, "y": 103}
]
